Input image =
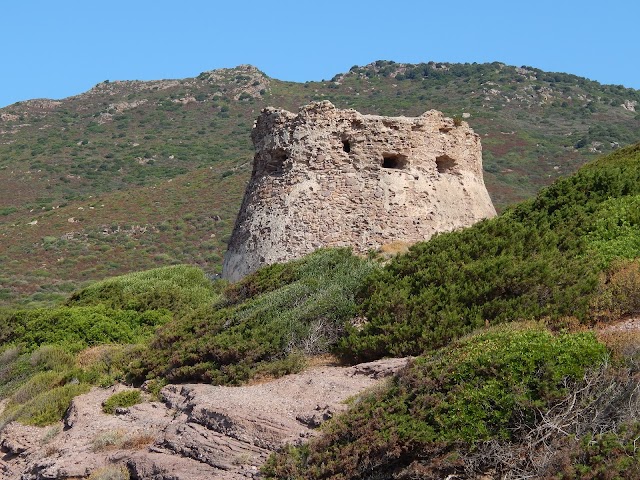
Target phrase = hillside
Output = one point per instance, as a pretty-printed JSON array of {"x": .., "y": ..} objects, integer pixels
[
  {"x": 490, "y": 396},
  {"x": 521, "y": 367},
  {"x": 132, "y": 174}
]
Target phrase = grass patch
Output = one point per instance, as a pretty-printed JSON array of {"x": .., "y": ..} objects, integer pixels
[
  {"x": 119, "y": 439},
  {"x": 111, "y": 472},
  {"x": 47, "y": 407},
  {"x": 126, "y": 398}
]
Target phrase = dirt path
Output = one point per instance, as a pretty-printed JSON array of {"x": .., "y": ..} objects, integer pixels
[{"x": 627, "y": 325}]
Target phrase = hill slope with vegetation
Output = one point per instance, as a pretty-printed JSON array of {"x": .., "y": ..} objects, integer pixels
[
  {"x": 513, "y": 400},
  {"x": 506, "y": 379},
  {"x": 97, "y": 184},
  {"x": 569, "y": 252}
]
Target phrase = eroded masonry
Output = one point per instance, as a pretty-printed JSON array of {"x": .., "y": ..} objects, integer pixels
[{"x": 326, "y": 177}]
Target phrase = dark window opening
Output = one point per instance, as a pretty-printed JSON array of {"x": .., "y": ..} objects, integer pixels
[
  {"x": 445, "y": 164},
  {"x": 394, "y": 161},
  {"x": 346, "y": 146},
  {"x": 275, "y": 165}
]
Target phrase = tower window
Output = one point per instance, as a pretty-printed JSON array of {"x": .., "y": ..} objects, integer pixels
[
  {"x": 445, "y": 164},
  {"x": 275, "y": 165},
  {"x": 394, "y": 161}
]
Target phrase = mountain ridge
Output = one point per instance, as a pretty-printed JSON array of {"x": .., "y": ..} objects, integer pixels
[{"x": 60, "y": 157}]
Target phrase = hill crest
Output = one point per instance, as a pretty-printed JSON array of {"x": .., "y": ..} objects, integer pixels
[{"x": 190, "y": 139}]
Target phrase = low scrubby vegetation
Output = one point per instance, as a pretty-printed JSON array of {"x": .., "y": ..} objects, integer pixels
[
  {"x": 178, "y": 288},
  {"x": 126, "y": 398},
  {"x": 174, "y": 324},
  {"x": 75, "y": 328},
  {"x": 505, "y": 380},
  {"x": 559, "y": 255},
  {"x": 513, "y": 401},
  {"x": 50, "y": 355},
  {"x": 265, "y": 325}
]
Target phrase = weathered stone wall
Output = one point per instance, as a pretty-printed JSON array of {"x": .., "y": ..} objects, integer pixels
[{"x": 329, "y": 177}]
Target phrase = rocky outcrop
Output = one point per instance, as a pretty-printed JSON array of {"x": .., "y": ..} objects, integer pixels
[
  {"x": 198, "y": 432},
  {"x": 326, "y": 177}
]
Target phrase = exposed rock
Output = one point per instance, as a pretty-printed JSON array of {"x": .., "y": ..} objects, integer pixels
[
  {"x": 163, "y": 466},
  {"x": 8, "y": 117},
  {"x": 42, "y": 104},
  {"x": 630, "y": 105},
  {"x": 184, "y": 100},
  {"x": 379, "y": 368},
  {"x": 198, "y": 432},
  {"x": 18, "y": 439},
  {"x": 327, "y": 177},
  {"x": 120, "y": 107}
]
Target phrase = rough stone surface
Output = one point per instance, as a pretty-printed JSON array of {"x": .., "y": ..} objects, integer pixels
[
  {"x": 198, "y": 432},
  {"x": 326, "y": 177}
]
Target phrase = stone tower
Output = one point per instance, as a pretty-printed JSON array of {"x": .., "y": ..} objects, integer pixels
[{"x": 326, "y": 177}]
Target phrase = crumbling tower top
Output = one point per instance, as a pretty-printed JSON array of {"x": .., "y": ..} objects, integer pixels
[{"x": 330, "y": 177}]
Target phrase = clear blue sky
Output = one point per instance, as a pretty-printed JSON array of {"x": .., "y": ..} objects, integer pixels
[{"x": 58, "y": 48}]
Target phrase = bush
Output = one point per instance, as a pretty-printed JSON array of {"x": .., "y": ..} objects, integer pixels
[
  {"x": 263, "y": 324},
  {"x": 13, "y": 368},
  {"x": 482, "y": 387},
  {"x": 75, "y": 328},
  {"x": 126, "y": 398},
  {"x": 612, "y": 455},
  {"x": 616, "y": 229},
  {"x": 52, "y": 357},
  {"x": 106, "y": 364},
  {"x": 49, "y": 406},
  {"x": 618, "y": 293},
  {"x": 39, "y": 383},
  {"x": 177, "y": 288},
  {"x": 541, "y": 259}
]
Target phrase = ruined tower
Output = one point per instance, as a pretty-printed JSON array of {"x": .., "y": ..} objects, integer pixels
[{"x": 326, "y": 177}]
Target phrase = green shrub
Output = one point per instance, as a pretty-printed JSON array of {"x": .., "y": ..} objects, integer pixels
[
  {"x": 15, "y": 369},
  {"x": 49, "y": 406},
  {"x": 618, "y": 293},
  {"x": 541, "y": 259},
  {"x": 75, "y": 328},
  {"x": 612, "y": 455},
  {"x": 104, "y": 365},
  {"x": 52, "y": 357},
  {"x": 267, "y": 319},
  {"x": 126, "y": 398},
  {"x": 616, "y": 228},
  {"x": 39, "y": 383},
  {"x": 483, "y": 387},
  {"x": 177, "y": 288}
]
